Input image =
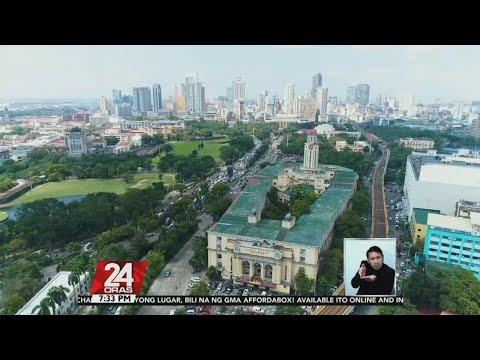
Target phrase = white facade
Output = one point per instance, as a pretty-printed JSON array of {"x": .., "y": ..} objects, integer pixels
[
  {"x": 104, "y": 105},
  {"x": 418, "y": 144},
  {"x": 440, "y": 186},
  {"x": 325, "y": 129},
  {"x": 406, "y": 102},
  {"x": 289, "y": 96},
  {"x": 310, "y": 159},
  {"x": 61, "y": 279},
  {"x": 238, "y": 89},
  {"x": 98, "y": 119},
  {"x": 322, "y": 98}
]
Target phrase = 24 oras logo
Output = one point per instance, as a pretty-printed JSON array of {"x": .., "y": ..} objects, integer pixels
[{"x": 119, "y": 277}]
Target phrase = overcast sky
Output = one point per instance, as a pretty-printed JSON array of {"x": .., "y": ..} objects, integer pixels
[{"x": 427, "y": 72}]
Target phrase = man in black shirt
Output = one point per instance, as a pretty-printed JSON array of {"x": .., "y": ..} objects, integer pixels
[{"x": 374, "y": 277}]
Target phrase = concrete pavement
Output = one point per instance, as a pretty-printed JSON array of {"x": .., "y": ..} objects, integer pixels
[{"x": 181, "y": 272}]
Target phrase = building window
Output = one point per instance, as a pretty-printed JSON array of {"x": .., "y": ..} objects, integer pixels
[
  {"x": 219, "y": 256},
  {"x": 285, "y": 273},
  {"x": 219, "y": 265},
  {"x": 419, "y": 230},
  {"x": 302, "y": 251},
  {"x": 302, "y": 258},
  {"x": 433, "y": 242},
  {"x": 455, "y": 247},
  {"x": 219, "y": 238},
  {"x": 246, "y": 268}
]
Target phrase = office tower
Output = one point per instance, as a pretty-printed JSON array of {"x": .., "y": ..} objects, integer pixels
[
  {"x": 406, "y": 102},
  {"x": 104, "y": 105},
  {"x": 351, "y": 95},
  {"x": 117, "y": 97},
  {"x": 362, "y": 93},
  {"x": 238, "y": 89},
  {"x": 157, "y": 97},
  {"x": 261, "y": 103},
  {"x": 230, "y": 93},
  {"x": 316, "y": 83},
  {"x": 193, "y": 93},
  {"x": 322, "y": 97},
  {"x": 288, "y": 97},
  {"x": 142, "y": 99},
  {"x": 76, "y": 140}
]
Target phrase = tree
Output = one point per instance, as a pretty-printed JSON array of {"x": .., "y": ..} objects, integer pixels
[
  {"x": 160, "y": 176},
  {"x": 217, "y": 207},
  {"x": 199, "y": 260},
  {"x": 74, "y": 248},
  {"x": 194, "y": 153},
  {"x": 44, "y": 307},
  {"x": 406, "y": 309},
  {"x": 289, "y": 310},
  {"x": 219, "y": 190},
  {"x": 200, "y": 289},
  {"x": 361, "y": 202},
  {"x": 58, "y": 294},
  {"x": 167, "y": 148},
  {"x": 303, "y": 283},
  {"x": 181, "y": 188},
  {"x": 128, "y": 178},
  {"x": 299, "y": 208},
  {"x": 213, "y": 273},
  {"x": 13, "y": 304},
  {"x": 73, "y": 280}
]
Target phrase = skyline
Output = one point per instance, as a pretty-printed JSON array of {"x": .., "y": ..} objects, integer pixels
[{"x": 448, "y": 73}]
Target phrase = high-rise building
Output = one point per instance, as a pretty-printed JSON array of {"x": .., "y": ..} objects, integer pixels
[
  {"x": 230, "y": 93},
  {"x": 362, "y": 93},
  {"x": 333, "y": 100},
  {"x": 238, "y": 88},
  {"x": 380, "y": 100},
  {"x": 391, "y": 102},
  {"x": 76, "y": 140},
  {"x": 475, "y": 128},
  {"x": 157, "y": 97},
  {"x": 261, "y": 103},
  {"x": 305, "y": 107},
  {"x": 6, "y": 117},
  {"x": 128, "y": 99},
  {"x": 322, "y": 100},
  {"x": 310, "y": 151},
  {"x": 351, "y": 95},
  {"x": 142, "y": 99},
  {"x": 316, "y": 83},
  {"x": 104, "y": 105},
  {"x": 288, "y": 98},
  {"x": 406, "y": 102},
  {"x": 458, "y": 111},
  {"x": 193, "y": 94},
  {"x": 117, "y": 97}
]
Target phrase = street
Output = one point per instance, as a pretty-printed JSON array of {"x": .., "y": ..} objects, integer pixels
[{"x": 181, "y": 272}]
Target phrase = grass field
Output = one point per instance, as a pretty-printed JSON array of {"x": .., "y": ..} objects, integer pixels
[
  {"x": 84, "y": 187},
  {"x": 210, "y": 147},
  {"x": 3, "y": 216}
]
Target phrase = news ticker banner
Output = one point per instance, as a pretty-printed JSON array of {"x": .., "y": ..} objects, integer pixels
[{"x": 117, "y": 299}]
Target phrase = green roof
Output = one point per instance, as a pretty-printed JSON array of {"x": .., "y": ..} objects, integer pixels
[
  {"x": 309, "y": 230},
  {"x": 421, "y": 215}
]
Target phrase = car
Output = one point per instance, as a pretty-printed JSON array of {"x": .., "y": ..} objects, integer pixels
[
  {"x": 245, "y": 292},
  {"x": 402, "y": 264},
  {"x": 167, "y": 273},
  {"x": 195, "y": 279},
  {"x": 88, "y": 246}
]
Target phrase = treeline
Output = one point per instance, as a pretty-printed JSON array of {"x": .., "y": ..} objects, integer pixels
[
  {"x": 397, "y": 163},
  {"x": 58, "y": 167},
  {"x": 189, "y": 168},
  {"x": 258, "y": 153},
  {"x": 239, "y": 146},
  {"x": 442, "y": 138}
]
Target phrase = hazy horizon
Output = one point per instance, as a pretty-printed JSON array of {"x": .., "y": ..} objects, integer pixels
[{"x": 448, "y": 73}]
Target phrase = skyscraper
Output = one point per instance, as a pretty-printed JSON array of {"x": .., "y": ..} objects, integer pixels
[
  {"x": 458, "y": 111},
  {"x": 288, "y": 98},
  {"x": 261, "y": 103},
  {"x": 230, "y": 93},
  {"x": 406, "y": 102},
  {"x": 238, "y": 89},
  {"x": 193, "y": 93},
  {"x": 104, "y": 105},
  {"x": 142, "y": 99},
  {"x": 157, "y": 97},
  {"x": 322, "y": 100},
  {"x": 316, "y": 83},
  {"x": 117, "y": 97},
  {"x": 362, "y": 93},
  {"x": 351, "y": 95}
]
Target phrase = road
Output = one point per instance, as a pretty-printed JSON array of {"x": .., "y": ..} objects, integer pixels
[
  {"x": 379, "y": 221},
  {"x": 181, "y": 272}
]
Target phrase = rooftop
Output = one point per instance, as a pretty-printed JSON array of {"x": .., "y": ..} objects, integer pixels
[
  {"x": 454, "y": 223},
  {"x": 309, "y": 229},
  {"x": 61, "y": 279},
  {"x": 421, "y": 215}
]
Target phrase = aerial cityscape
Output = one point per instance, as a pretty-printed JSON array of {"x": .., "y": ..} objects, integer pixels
[{"x": 239, "y": 171}]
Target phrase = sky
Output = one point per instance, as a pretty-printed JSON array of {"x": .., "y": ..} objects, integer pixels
[{"x": 432, "y": 72}]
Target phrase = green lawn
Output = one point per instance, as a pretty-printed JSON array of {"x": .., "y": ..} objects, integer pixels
[
  {"x": 84, "y": 187},
  {"x": 210, "y": 147},
  {"x": 3, "y": 216}
]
